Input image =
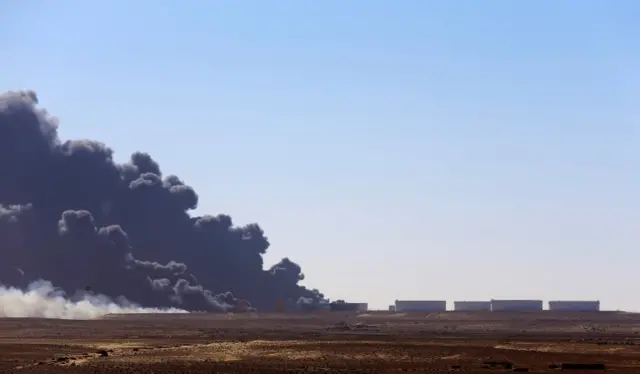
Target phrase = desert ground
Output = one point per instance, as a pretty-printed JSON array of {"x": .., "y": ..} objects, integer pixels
[{"x": 324, "y": 342}]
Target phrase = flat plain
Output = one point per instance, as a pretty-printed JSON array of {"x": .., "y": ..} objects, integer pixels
[{"x": 325, "y": 342}]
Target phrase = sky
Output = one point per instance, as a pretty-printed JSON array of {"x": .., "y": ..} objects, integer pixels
[{"x": 406, "y": 149}]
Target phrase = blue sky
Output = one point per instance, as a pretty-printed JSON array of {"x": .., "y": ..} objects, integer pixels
[{"x": 395, "y": 149}]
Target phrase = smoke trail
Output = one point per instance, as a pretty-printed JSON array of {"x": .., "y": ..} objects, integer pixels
[{"x": 43, "y": 300}]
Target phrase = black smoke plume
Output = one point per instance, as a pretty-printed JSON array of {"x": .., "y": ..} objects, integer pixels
[{"x": 71, "y": 215}]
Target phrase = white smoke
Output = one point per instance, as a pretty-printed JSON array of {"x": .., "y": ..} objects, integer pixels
[{"x": 43, "y": 300}]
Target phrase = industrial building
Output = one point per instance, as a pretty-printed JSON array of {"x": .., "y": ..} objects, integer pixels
[
  {"x": 472, "y": 306},
  {"x": 516, "y": 305},
  {"x": 421, "y": 305},
  {"x": 575, "y": 306}
]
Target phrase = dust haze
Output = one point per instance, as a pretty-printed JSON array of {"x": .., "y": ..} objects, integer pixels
[{"x": 42, "y": 300}]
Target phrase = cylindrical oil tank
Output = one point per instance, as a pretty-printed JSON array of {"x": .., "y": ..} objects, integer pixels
[
  {"x": 421, "y": 305},
  {"x": 472, "y": 306},
  {"x": 575, "y": 306},
  {"x": 516, "y": 305},
  {"x": 344, "y": 307}
]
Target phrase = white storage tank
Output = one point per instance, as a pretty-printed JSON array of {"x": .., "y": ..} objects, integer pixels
[
  {"x": 516, "y": 305},
  {"x": 363, "y": 307},
  {"x": 575, "y": 306},
  {"x": 472, "y": 306},
  {"x": 421, "y": 305}
]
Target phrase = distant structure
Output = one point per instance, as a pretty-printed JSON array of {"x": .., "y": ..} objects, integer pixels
[
  {"x": 341, "y": 306},
  {"x": 363, "y": 307},
  {"x": 472, "y": 306},
  {"x": 421, "y": 305},
  {"x": 392, "y": 308},
  {"x": 516, "y": 305},
  {"x": 575, "y": 306},
  {"x": 306, "y": 306}
]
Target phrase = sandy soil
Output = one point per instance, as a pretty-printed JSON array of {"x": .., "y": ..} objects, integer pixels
[{"x": 540, "y": 342}]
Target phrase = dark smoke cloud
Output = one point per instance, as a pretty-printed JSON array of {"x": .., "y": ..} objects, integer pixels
[{"x": 71, "y": 215}]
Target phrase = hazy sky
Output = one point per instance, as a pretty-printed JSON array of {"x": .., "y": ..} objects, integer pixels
[{"x": 395, "y": 149}]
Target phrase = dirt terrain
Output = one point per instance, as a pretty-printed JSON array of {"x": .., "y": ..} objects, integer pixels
[{"x": 375, "y": 342}]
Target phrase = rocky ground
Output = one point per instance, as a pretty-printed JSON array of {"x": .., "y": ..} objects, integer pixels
[{"x": 537, "y": 342}]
